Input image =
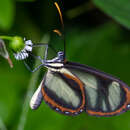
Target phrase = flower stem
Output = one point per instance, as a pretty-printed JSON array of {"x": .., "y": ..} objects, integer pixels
[
  {"x": 6, "y": 37},
  {"x": 30, "y": 91}
]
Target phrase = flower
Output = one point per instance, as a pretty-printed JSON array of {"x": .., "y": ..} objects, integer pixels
[{"x": 23, "y": 54}]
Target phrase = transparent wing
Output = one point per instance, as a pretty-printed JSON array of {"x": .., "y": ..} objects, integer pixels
[
  {"x": 105, "y": 95},
  {"x": 64, "y": 93}
]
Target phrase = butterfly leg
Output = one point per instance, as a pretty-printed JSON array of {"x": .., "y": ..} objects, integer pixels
[
  {"x": 37, "y": 57},
  {"x": 46, "y": 53},
  {"x": 27, "y": 66},
  {"x": 46, "y": 48}
]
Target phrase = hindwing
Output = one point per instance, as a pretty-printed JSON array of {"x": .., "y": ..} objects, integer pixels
[{"x": 63, "y": 92}]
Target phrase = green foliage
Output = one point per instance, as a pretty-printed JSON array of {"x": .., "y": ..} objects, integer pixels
[
  {"x": 16, "y": 44},
  {"x": 26, "y": 0},
  {"x": 117, "y": 9},
  {"x": 91, "y": 39},
  {"x": 6, "y": 14}
]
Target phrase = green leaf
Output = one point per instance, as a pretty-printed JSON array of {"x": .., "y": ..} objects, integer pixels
[
  {"x": 6, "y": 14},
  {"x": 117, "y": 9},
  {"x": 25, "y": 0}
]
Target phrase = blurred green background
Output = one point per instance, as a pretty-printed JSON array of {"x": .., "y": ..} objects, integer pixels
[{"x": 97, "y": 34}]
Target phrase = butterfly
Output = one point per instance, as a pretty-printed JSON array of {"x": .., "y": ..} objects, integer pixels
[{"x": 72, "y": 88}]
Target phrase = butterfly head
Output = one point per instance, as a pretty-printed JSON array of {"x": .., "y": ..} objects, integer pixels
[{"x": 60, "y": 56}]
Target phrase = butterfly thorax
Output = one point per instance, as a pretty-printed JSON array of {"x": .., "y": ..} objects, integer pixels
[{"x": 56, "y": 63}]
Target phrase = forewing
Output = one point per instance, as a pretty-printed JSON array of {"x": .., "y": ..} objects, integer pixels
[
  {"x": 105, "y": 95},
  {"x": 63, "y": 92}
]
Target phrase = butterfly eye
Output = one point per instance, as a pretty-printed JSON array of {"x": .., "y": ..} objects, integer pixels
[{"x": 61, "y": 55}]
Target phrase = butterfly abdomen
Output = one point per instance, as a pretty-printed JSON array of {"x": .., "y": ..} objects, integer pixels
[{"x": 36, "y": 98}]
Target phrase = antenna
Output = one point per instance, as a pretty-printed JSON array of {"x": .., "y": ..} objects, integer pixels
[
  {"x": 62, "y": 23},
  {"x": 58, "y": 32}
]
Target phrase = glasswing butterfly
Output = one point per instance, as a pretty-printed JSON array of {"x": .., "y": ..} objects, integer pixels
[{"x": 71, "y": 88}]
